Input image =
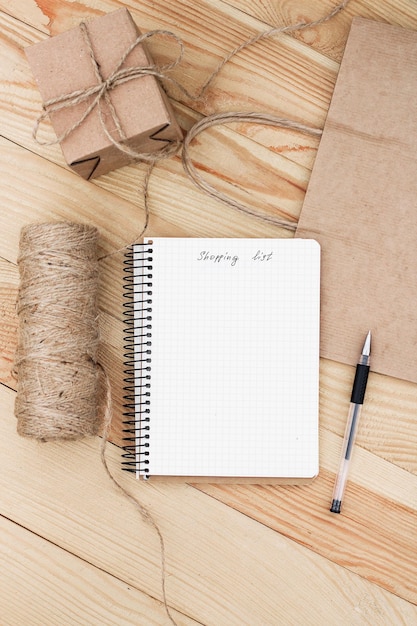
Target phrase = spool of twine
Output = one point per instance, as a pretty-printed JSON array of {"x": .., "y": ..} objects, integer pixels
[{"x": 56, "y": 357}]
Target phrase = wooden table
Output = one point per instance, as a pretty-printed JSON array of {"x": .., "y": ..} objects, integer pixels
[{"x": 73, "y": 549}]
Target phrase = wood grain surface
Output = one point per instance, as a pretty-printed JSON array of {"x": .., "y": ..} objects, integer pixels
[{"x": 74, "y": 549}]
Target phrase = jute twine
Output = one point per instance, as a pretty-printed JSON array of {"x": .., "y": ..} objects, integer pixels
[
  {"x": 63, "y": 392},
  {"x": 58, "y": 339}
]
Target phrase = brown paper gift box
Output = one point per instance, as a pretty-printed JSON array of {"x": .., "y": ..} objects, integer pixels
[{"x": 62, "y": 65}]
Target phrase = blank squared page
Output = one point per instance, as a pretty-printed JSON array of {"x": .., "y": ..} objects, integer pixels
[{"x": 234, "y": 357}]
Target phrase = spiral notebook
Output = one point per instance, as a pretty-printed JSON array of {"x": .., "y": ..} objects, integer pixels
[{"x": 222, "y": 359}]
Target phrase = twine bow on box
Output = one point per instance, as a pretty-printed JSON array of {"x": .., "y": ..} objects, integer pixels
[{"x": 101, "y": 92}]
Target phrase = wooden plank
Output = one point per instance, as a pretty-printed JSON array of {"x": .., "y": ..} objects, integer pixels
[
  {"x": 328, "y": 38},
  {"x": 379, "y": 498},
  {"x": 43, "y": 584},
  {"x": 35, "y": 190},
  {"x": 387, "y": 426},
  {"x": 245, "y": 573},
  {"x": 8, "y": 320}
]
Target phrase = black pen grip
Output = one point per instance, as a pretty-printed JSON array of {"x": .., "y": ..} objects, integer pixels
[{"x": 359, "y": 384}]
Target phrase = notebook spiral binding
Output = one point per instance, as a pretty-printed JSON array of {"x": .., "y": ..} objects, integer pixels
[{"x": 137, "y": 358}]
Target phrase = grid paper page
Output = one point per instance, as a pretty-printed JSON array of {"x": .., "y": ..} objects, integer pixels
[{"x": 234, "y": 357}]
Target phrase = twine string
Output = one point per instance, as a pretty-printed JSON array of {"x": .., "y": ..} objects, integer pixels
[
  {"x": 266, "y": 34},
  {"x": 142, "y": 510},
  {"x": 225, "y": 118}
]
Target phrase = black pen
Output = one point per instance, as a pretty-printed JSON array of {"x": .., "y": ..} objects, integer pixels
[{"x": 356, "y": 401}]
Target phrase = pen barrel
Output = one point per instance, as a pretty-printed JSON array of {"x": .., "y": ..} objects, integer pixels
[
  {"x": 356, "y": 401},
  {"x": 350, "y": 432},
  {"x": 339, "y": 486},
  {"x": 348, "y": 441}
]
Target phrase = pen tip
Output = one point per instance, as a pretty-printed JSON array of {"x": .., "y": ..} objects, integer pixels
[{"x": 366, "y": 350}]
